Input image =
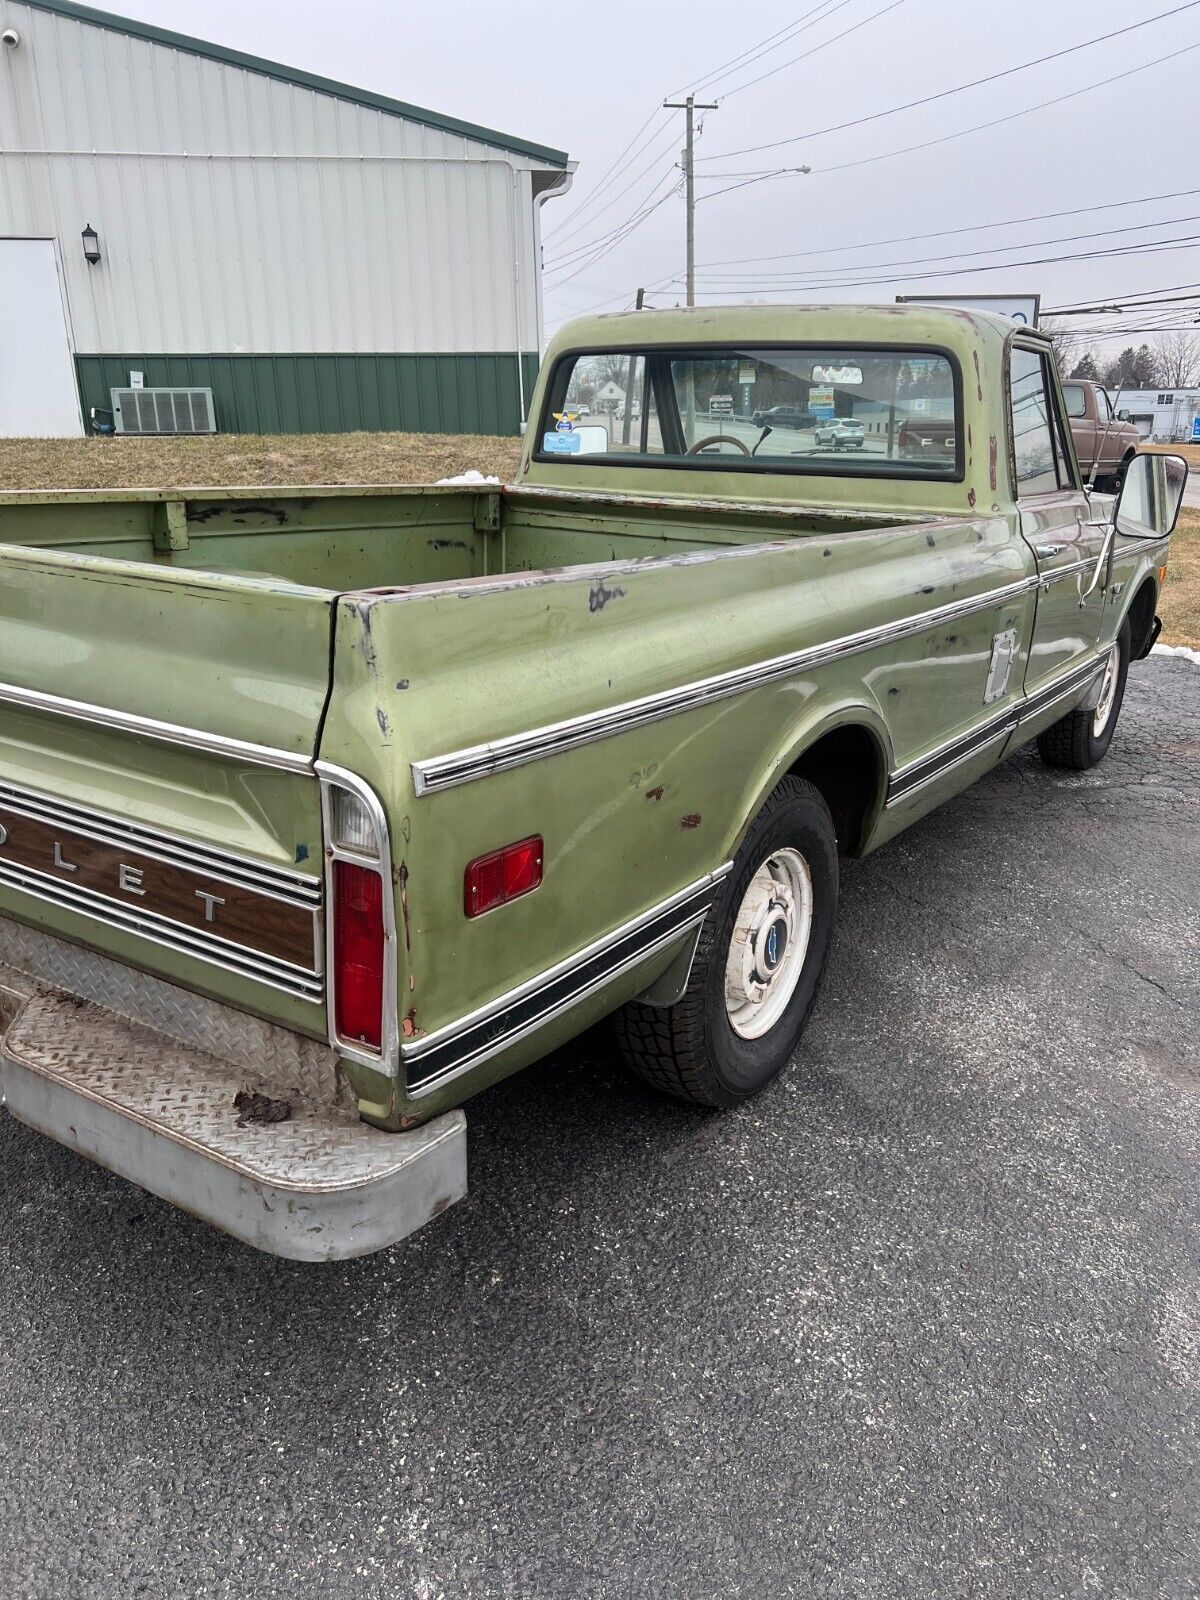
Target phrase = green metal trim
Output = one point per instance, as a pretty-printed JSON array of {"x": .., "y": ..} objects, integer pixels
[
  {"x": 407, "y": 392},
  {"x": 299, "y": 78}
]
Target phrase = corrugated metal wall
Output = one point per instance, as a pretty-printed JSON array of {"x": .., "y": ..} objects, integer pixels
[
  {"x": 240, "y": 215},
  {"x": 428, "y": 393}
]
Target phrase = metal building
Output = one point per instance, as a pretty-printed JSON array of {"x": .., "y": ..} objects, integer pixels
[
  {"x": 1164, "y": 416},
  {"x": 174, "y": 213}
]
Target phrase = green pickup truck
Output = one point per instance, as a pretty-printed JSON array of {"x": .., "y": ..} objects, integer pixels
[{"x": 322, "y": 809}]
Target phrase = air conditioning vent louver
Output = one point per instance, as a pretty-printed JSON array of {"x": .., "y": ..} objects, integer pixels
[{"x": 163, "y": 410}]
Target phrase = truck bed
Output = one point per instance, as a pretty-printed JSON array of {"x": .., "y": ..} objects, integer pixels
[{"x": 336, "y": 539}]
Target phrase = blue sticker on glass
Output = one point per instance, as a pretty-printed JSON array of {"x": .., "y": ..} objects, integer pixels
[{"x": 563, "y": 444}]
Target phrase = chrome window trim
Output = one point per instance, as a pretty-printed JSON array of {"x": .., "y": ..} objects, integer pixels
[
  {"x": 436, "y": 773},
  {"x": 214, "y": 744},
  {"x": 272, "y": 882},
  {"x": 387, "y": 1059},
  {"x": 554, "y": 984}
]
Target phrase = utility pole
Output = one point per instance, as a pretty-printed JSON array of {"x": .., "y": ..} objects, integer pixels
[{"x": 690, "y": 107}]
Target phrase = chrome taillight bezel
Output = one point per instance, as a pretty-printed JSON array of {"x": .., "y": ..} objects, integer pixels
[{"x": 378, "y": 860}]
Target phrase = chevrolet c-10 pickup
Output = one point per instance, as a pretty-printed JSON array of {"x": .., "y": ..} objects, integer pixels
[{"x": 323, "y": 809}]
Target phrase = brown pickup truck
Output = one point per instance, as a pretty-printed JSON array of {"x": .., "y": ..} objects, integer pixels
[{"x": 1104, "y": 445}]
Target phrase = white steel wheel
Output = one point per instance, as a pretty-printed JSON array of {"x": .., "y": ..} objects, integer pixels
[
  {"x": 769, "y": 943},
  {"x": 1108, "y": 692}
]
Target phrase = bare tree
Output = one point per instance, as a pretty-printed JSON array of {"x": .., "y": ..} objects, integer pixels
[
  {"x": 1178, "y": 357},
  {"x": 1066, "y": 340}
]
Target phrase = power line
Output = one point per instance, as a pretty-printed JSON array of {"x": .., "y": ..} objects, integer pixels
[
  {"x": 1165, "y": 289},
  {"x": 764, "y": 47},
  {"x": 960, "y": 255},
  {"x": 961, "y": 88},
  {"x": 1152, "y": 247},
  {"x": 944, "y": 233},
  {"x": 633, "y": 223},
  {"x": 754, "y": 52},
  {"x": 783, "y": 66},
  {"x": 979, "y": 127}
]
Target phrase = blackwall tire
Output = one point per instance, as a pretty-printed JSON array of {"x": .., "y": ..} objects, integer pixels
[
  {"x": 1081, "y": 739},
  {"x": 720, "y": 1043}
]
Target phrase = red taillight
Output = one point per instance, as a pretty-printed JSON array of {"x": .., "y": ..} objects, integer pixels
[
  {"x": 358, "y": 943},
  {"x": 902, "y": 436},
  {"x": 504, "y": 875}
]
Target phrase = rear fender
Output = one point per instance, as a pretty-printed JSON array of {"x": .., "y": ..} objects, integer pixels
[{"x": 799, "y": 738}]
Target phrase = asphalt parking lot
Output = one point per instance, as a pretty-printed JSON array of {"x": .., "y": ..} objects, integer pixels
[{"x": 923, "y": 1321}]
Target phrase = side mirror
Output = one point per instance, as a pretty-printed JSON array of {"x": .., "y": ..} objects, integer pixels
[
  {"x": 1122, "y": 416},
  {"x": 1150, "y": 496}
]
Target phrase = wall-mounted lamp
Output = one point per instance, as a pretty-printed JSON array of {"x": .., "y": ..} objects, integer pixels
[{"x": 91, "y": 245}]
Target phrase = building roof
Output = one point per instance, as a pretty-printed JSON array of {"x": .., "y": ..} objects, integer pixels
[{"x": 303, "y": 80}]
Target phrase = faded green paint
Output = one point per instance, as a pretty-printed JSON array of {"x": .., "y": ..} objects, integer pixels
[
  {"x": 475, "y": 392},
  {"x": 231, "y": 634}
]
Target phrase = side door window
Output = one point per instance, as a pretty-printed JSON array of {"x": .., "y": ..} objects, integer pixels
[{"x": 1041, "y": 461}]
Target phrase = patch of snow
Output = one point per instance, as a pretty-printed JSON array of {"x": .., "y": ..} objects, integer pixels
[
  {"x": 469, "y": 476},
  {"x": 1184, "y": 650}
]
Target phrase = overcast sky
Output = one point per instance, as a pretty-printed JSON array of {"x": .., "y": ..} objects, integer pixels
[{"x": 585, "y": 76}]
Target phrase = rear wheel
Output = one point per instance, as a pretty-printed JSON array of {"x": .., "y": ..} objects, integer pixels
[
  {"x": 1081, "y": 739},
  {"x": 758, "y": 965}
]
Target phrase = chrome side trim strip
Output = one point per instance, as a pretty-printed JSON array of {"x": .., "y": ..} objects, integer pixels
[
  {"x": 500, "y": 755},
  {"x": 276, "y": 883},
  {"x": 916, "y": 775},
  {"x": 213, "y": 744},
  {"x": 474, "y": 1038},
  {"x": 271, "y": 970}
]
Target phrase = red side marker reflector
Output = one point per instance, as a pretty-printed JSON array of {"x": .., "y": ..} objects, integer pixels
[
  {"x": 358, "y": 953},
  {"x": 493, "y": 880}
]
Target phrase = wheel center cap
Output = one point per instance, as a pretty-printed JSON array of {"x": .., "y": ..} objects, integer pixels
[{"x": 773, "y": 945}]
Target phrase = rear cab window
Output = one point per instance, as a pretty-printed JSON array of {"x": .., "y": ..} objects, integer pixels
[{"x": 756, "y": 409}]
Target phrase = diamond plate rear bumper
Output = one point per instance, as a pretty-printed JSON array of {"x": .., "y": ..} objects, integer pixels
[{"x": 319, "y": 1186}]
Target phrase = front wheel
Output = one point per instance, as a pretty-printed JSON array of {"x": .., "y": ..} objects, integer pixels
[
  {"x": 1081, "y": 739},
  {"x": 758, "y": 965}
]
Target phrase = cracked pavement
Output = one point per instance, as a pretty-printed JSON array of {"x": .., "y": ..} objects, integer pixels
[{"x": 923, "y": 1320}]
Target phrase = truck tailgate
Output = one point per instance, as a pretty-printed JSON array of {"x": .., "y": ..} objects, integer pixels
[{"x": 157, "y": 729}]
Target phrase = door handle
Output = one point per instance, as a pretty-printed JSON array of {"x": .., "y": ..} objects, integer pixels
[{"x": 1048, "y": 550}]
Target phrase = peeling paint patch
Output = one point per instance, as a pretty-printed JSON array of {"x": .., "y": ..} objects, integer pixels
[
  {"x": 656, "y": 793},
  {"x": 403, "y": 683},
  {"x": 971, "y": 496},
  {"x": 930, "y": 541},
  {"x": 599, "y": 597},
  {"x": 385, "y": 726},
  {"x": 978, "y": 376},
  {"x": 692, "y": 820},
  {"x": 993, "y": 457},
  {"x": 409, "y": 1026},
  {"x": 447, "y": 544},
  {"x": 402, "y": 879},
  {"x": 301, "y": 852}
]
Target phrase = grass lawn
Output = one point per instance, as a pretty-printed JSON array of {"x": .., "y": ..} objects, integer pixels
[
  {"x": 243, "y": 458},
  {"x": 115, "y": 463},
  {"x": 1179, "y": 606}
]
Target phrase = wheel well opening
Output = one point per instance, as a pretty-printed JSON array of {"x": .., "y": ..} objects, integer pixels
[
  {"x": 1141, "y": 618},
  {"x": 846, "y": 765}
]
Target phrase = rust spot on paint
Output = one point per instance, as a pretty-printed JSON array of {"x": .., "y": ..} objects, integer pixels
[
  {"x": 409, "y": 1026},
  {"x": 971, "y": 496},
  {"x": 403, "y": 683},
  {"x": 978, "y": 378},
  {"x": 993, "y": 456},
  {"x": 385, "y": 726},
  {"x": 930, "y": 541},
  {"x": 599, "y": 597},
  {"x": 402, "y": 878},
  {"x": 692, "y": 820},
  {"x": 655, "y": 793}
]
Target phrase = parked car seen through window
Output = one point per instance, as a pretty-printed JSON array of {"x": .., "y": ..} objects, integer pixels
[{"x": 893, "y": 413}]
